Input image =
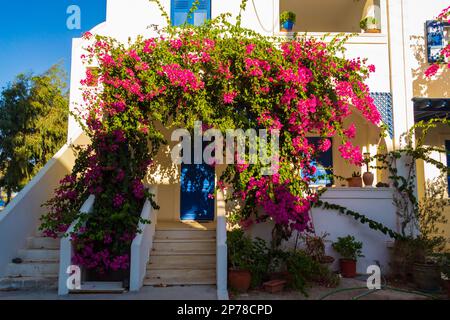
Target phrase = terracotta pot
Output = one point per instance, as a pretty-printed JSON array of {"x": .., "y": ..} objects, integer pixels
[
  {"x": 348, "y": 268},
  {"x": 274, "y": 286},
  {"x": 355, "y": 182},
  {"x": 368, "y": 178},
  {"x": 239, "y": 280},
  {"x": 427, "y": 277},
  {"x": 372, "y": 30}
]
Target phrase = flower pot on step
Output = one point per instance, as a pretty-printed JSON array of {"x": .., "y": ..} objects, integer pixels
[
  {"x": 427, "y": 276},
  {"x": 348, "y": 268},
  {"x": 274, "y": 286},
  {"x": 368, "y": 178},
  {"x": 355, "y": 182},
  {"x": 239, "y": 280}
]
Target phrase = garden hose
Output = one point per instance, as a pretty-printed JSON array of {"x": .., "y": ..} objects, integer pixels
[{"x": 373, "y": 291}]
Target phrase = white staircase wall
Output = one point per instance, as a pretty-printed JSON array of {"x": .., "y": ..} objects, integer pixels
[
  {"x": 143, "y": 244},
  {"x": 20, "y": 218}
]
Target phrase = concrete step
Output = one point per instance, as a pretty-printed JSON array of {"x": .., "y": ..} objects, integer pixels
[
  {"x": 42, "y": 243},
  {"x": 100, "y": 288},
  {"x": 183, "y": 253},
  {"x": 185, "y": 234},
  {"x": 38, "y": 255},
  {"x": 184, "y": 225},
  {"x": 180, "y": 277},
  {"x": 33, "y": 269},
  {"x": 182, "y": 262},
  {"x": 28, "y": 283},
  {"x": 181, "y": 245}
]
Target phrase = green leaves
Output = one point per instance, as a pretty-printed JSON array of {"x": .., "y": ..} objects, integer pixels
[{"x": 33, "y": 125}]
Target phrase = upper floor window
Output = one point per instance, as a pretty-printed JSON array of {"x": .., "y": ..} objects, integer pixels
[
  {"x": 323, "y": 165},
  {"x": 180, "y": 10},
  {"x": 438, "y": 36}
]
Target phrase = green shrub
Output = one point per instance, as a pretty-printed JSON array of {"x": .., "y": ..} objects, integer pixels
[
  {"x": 348, "y": 248},
  {"x": 240, "y": 249},
  {"x": 288, "y": 16}
]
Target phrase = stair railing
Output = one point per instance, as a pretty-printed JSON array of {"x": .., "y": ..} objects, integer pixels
[
  {"x": 143, "y": 244},
  {"x": 67, "y": 250},
  {"x": 221, "y": 242}
]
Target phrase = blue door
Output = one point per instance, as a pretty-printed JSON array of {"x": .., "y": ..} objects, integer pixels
[{"x": 197, "y": 188}]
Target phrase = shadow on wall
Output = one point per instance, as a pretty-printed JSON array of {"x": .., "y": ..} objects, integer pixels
[{"x": 436, "y": 87}]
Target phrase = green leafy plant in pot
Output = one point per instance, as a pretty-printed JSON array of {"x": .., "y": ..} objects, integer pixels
[
  {"x": 350, "y": 250},
  {"x": 445, "y": 270},
  {"x": 370, "y": 25},
  {"x": 240, "y": 250},
  {"x": 287, "y": 21},
  {"x": 431, "y": 241}
]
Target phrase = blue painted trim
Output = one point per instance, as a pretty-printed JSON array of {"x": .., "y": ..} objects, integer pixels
[{"x": 384, "y": 104}]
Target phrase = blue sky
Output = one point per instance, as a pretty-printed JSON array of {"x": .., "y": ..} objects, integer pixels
[{"x": 34, "y": 35}]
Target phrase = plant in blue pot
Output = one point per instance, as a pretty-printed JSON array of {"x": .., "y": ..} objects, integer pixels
[{"x": 287, "y": 21}]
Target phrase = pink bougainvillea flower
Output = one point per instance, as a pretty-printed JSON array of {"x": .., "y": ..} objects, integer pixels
[
  {"x": 228, "y": 97},
  {"x": 350, "y": 132},
  {"x": 432, "y": 70}
]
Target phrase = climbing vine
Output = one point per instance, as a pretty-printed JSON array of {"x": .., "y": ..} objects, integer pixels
[{"x": 228, "y": 77}]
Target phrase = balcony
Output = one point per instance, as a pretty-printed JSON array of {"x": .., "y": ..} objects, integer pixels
[{"x": 334, "y": 16}]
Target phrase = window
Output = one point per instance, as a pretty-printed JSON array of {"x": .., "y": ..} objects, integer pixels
[
  {"x": 180, "y": 10},
  {"x": 323, "y": 164},
  {"x": 437, "y": 38},
  {"x": 447, "y": 147}
]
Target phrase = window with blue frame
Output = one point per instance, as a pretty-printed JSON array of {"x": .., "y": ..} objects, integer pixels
[
  {"x": 180, "y": 10},
  {"x": 447, "y": 148},
  {"x": 323, "y": 164}
]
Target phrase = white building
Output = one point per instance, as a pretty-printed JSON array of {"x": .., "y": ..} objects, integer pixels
[{"x": 400, "y": 89}]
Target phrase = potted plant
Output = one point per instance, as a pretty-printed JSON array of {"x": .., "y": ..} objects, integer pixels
[
  {"x": 370, "y": 25},
  {"x": 240, "y": 249},
  {"x": 432, "y": 241},
  {"x": 355, "y": 181},
  {"x": 315, "y": 248},
  {"x": 368, "y": 177},
  {"x": 445, "y": 269},
  {"x": 426, "y": 269},
  {"x": 350, "y": 250},
  {"x": 287, "y": 21}
]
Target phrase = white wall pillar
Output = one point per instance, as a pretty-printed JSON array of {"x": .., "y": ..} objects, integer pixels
[{"x": 401, "y": 78}]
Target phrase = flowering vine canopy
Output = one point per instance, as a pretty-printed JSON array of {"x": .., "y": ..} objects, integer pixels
[{"x": 227, "y": 77}]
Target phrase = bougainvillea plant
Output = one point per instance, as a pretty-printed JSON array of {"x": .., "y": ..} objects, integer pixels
[
  {"x": 227, "y": 77},
  {"x": 444, "y": 60}
]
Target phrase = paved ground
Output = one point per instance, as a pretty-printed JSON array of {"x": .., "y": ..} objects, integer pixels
[
  {"x": 209, "y": 293},
  {"x": 316, "y": 293},
  {"x": 147, "y": 293}
]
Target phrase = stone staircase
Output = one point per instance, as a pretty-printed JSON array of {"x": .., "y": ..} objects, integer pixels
[
  {"x": 35, "y": 267},
  {"x": 183, "y": 254}
]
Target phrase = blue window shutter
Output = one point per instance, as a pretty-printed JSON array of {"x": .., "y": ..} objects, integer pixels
[
  {"x": 435, "y": 40},
  {"x": 202, "y": 14},
  {"x": 180, "y": 10}
]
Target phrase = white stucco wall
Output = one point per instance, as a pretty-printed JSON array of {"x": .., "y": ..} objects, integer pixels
[{"x": 376, "y": 204}]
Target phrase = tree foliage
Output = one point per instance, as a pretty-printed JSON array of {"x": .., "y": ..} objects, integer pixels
[{"x": 33, "y": 125}]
